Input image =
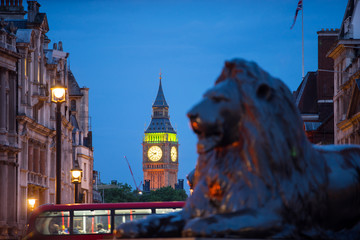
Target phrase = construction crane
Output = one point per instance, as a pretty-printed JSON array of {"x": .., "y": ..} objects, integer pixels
[{"x": 137, "y": 187}]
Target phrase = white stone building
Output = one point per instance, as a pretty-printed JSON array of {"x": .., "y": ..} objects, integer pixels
[
  {"x": 28, "y": 69},
  {"x": 346, "y": 55},
  {"x": 9, "y": 148}
]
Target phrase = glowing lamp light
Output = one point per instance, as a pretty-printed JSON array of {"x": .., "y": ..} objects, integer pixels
[
  {"x": 76, "y": 175},
  {"x": 32, "y": 202},
  {"x": 58, "y": 94}
]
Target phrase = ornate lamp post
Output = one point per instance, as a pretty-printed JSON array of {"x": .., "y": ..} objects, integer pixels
[
  {"x": 58, "y": 95},
  {"x": 76, "y": 179}
]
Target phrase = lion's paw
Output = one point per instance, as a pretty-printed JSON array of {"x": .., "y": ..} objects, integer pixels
[
  {"x": 197, "y": 227},
  {"x": 127, "y": 230}
]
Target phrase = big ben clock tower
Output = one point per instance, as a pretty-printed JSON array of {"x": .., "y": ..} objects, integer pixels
[{"x": 160, "y": 146}]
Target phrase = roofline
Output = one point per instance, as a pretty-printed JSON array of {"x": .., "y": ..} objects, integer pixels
[
  {"x": 309, "y": 117},
  {"x": 328, "y": 32},
  {"x": 345, "y": 16},
  {"x": 340, "y": 46},
  {"x": 303, "y": 85}
]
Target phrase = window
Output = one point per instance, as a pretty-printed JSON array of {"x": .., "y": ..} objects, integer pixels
[
  {"x": 92, "y": 221},
  {"x": 25, "y": 66},
  {"x": 126, "y": 215},
  {"x": 52, "y": 198},
  {"x": 53, "y": 223},
  {"x": 85, "y": 171},
  {"x": 53, "y": 165},
  {"x": 23, "y": 203},
  {"x": 23, "y": 156},
  {"x": 38, "y": 71},
  {"x": 166, "y": 210},
  {"x": 43, "y": 162},
  {"x": 36, "y": 156},
  {"x": 30, "y": 158},
  {"x": 73, "y": 105}
]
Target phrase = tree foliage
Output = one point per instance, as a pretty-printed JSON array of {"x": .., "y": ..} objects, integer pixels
[
  {"x": 164, "y": 194},
  {"x": 124, "y": 193},
  {"x": 121, "y": 193}
]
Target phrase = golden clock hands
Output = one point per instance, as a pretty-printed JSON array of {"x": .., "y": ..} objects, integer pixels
[{"x": 154, "y": 155}]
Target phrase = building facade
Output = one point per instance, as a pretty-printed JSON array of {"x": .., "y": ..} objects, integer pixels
[
  {"x": 81, "y": 136},
  {"x": 28, "y": 69},
  {"x": 160, "y": 147},
  {"x": 314, "y": 96},
  {"x": 9, "y": 148},
  {"x": 346, "y": 56}
]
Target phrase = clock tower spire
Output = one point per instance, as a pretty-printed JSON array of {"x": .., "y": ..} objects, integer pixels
[{"x": 160, "y": 146}]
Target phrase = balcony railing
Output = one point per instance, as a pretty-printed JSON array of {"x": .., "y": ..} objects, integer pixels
[{"x": 37, "y": 179}]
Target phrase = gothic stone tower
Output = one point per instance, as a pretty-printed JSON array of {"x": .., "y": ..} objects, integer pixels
[{"x": 160, "y": 146}]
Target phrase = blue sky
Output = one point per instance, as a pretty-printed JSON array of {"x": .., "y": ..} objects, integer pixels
[{"x": 117, "y": 49}]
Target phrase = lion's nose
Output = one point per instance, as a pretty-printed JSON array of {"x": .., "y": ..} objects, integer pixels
[
  {"x": 193, "y": 116},
  {"x": 194, "y": 120}
]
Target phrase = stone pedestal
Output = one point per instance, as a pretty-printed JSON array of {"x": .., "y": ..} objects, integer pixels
[{"x": 196, "y": 239}]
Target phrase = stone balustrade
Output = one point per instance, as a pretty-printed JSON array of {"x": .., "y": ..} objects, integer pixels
[{"x": 37, "y": 179}]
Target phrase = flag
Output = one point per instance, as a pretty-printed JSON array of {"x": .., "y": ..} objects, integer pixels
[{"x": 299, "y": 7}]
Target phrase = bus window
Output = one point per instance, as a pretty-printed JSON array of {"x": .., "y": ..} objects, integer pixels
[
  {"x": 91, "y": 221},
  {"x": 126, "y": 215},
  {"x": 166, "y": 210},
  {"x": 68, "y": 221},
  {"x": 53, "y": 223}
]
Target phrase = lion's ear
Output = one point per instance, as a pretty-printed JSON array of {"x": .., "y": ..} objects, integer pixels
[{"x": 264, "y": 91}]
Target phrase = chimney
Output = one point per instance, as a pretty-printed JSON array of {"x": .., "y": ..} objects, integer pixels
[
  {"x": 325, "y": 78},
  {"x": 60, "y": 48},
  {"x": 11, "y": 9},
  {"x": 11, "y": 3},
  {"x": 33, "y": 10}
]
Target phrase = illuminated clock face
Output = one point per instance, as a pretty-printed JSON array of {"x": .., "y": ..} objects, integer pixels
[
  {"x": 154, "y": 153},
  {"x": 173, "y": 154}
]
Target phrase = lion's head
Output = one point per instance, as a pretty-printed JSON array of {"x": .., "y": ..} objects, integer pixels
[
  {"x": 249, "y": 108},
  {"x": 215, "y": 120},
  {"x": 249, "y": 134}
]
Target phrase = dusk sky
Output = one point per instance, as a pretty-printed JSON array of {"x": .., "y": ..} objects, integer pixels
[{"x": 117, "y": 49}]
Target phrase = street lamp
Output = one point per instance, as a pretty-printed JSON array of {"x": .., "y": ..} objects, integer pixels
[
  {"x": 58, "y": 95},
  {"x": 76, "y": 179},
  {"x": 31, "y": 202}
]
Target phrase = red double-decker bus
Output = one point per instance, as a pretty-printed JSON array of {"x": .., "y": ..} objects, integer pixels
[{"x": 90, "y": 221}]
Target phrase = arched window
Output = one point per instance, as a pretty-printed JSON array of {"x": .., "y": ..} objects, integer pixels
[{"x": 73, "y": 105}]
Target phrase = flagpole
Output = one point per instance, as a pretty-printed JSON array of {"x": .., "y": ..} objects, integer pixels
[{"x": 302, "y": 33}]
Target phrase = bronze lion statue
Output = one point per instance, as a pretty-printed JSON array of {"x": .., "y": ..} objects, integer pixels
[{"x": 257, "y": 175}]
